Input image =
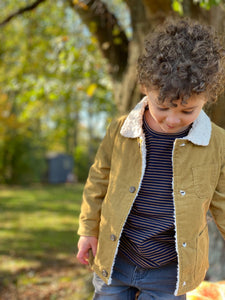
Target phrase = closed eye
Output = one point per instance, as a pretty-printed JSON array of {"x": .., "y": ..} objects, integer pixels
[
  {"x": 188, "y": 112},
  {"x": 162, "y": 108}
]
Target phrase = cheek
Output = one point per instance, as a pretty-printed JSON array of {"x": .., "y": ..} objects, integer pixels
[
  {"x": 158, "y": 116},
  {"x": 190, "y": 119}
]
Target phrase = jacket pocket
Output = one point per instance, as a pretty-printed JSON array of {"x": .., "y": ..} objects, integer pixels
[
  {"x": 90, "y": 257},
  {"x": 204, "y": 178},
  {"x": 202, "y": 259}
]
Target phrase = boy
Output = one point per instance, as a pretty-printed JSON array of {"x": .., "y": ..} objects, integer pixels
[{"x": 156, "y": 174}]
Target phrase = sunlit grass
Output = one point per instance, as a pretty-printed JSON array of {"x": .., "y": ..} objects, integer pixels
[{"x": 34, "y": 218}]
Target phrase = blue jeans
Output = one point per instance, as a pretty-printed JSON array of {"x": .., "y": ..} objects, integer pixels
[{"x": 128, "y": 279}]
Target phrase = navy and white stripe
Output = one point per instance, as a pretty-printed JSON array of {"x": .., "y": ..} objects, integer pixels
[{"x": 148, "y": 237}]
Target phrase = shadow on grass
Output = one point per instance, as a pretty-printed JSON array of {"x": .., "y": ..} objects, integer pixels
[
  {"x": 54, "y": 278},
  {"x": 38, "y": 244},
  {"x": 44, "y": 266}
]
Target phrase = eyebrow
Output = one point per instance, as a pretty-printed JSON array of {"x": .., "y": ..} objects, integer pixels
[
  {"x": 184, "y": 108},
  {"x": 191, "y": 107}
]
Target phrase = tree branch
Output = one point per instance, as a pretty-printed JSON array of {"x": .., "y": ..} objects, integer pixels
[
  {"x": 21, "y": 11},
  {"x": 111, "y": 37}
]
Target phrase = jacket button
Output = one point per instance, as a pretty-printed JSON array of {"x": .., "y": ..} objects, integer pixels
[
  {"x": 132, "y": 189},
  {"x": 112, "y": 237},
  {"x": 184, "y": 283},
  {"x": 104, "y": 273},
  {"x": 182, "y": 145},
  {"x": 182, "y": 193},
  {"x": 184, "y": 245}
]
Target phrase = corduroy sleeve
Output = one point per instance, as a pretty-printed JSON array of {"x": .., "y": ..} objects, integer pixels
[
  {"x": 97, "y": 183},
  {"x": 217, "y": 206}
]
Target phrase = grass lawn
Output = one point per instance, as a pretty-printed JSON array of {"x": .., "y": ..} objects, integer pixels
[{"x": 37, "y": 244}]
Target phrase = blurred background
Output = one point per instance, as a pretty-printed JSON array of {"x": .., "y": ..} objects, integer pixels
[{"x": 67, "y": 68}]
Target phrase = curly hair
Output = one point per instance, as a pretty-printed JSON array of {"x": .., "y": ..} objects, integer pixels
[{"x": 181, "y": 59}]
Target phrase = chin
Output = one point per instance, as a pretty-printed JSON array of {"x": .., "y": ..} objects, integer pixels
[{"x": 171, "y": 129}]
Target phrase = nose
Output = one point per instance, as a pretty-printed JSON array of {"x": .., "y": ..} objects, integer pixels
[{"x": 172, "y": 119}]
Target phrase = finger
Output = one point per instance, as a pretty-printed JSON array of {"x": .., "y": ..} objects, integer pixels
[{"x": 82, "y": 258}]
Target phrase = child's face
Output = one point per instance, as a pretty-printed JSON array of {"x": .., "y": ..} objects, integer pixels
[{"x": 168, "y": 119}]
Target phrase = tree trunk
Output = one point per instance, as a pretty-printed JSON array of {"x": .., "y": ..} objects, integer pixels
[
  {"x": 216, "y": 17},
  {"x": 144, "y": 16},
  {"x": 216, "y": 270}
]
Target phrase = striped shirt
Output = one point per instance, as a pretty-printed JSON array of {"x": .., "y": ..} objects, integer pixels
[{"x": 148, "y": 238}]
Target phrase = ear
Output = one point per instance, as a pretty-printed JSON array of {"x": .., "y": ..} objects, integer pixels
[
  {"x": 143, "y": 89},
  {"x": 205, "y": 97}
]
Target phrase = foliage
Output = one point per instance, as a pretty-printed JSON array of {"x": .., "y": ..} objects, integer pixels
[
  {"x": 22, "y": 159},
  {"x": 177, "y": 5},
  {"x": 50, "y": 69},
  {"x": 207, "y": 4},
  {"x": 82, "y": 166},
  {"x": 21, "y": 149},
  {"x": 208, "y": 291},
  {"x": 84, "y": 156}
]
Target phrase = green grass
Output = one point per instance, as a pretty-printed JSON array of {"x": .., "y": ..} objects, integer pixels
[{"x": 37, "y": 243}]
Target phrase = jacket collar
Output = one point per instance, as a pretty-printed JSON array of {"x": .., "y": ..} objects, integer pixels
[{"x": 199, "y": 133}]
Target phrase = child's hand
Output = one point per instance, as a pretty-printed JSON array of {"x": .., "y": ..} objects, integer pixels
[{"x": 84, "y": 244}]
